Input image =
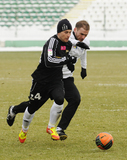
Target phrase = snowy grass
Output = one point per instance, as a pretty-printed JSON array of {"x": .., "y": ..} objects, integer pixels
[{"x": 102, "y": 109}]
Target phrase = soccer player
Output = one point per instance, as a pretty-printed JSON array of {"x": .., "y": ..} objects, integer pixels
[
  {"x": 72, "y": 95},
  {"x": 47, "y": 78}
]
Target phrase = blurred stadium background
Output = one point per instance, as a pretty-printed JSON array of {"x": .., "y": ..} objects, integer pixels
[{"x": 29, "y": 23}]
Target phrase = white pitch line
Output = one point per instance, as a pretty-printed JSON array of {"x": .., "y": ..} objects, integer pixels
[
  {"x": 115, "y": 110},
  {"x": 119, "y": 85},
  {"x": 14, "y": 79}
]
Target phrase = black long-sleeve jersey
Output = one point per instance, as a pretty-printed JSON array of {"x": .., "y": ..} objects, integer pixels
[{"x": 54, "y": 55}]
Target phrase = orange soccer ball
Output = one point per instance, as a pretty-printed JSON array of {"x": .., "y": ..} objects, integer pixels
[{"x": 104, "y": 140}]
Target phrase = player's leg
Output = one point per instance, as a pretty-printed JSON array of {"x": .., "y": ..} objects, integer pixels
[
  {"x": 27, "y": 118},
  {"x": 21, "y": 107},
  {"x": 58, "y": 95},
  {"x": 72, "y": 96},
  {"x": 13, "y": 110},
  {"x": 55, "y": 112},
  {"x": 37, "y": 99}
]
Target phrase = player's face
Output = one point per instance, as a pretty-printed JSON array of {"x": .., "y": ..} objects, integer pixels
[
  {"x": 81, "y": 33},
  {"x": 64, "y": 35}
]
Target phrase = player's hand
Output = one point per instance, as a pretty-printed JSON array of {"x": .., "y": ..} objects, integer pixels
[
  {"x": 82, "y": 45},
  {"x": 83, "y": 73},
  {"x": 72, "y": 59},
  {"x": 71, "y": 67}
]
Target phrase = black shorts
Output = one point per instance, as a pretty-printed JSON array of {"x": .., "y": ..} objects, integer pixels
[{"x": 41, "y": 92}]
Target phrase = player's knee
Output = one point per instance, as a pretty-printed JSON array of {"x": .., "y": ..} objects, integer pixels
[
  {"x": 59, "y": 100},
  {"x": 76, "y": 100},
  {"x": 79, "y": 100}
]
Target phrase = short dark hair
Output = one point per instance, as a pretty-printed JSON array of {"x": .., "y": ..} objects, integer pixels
[{"x": 82, "y": 24}]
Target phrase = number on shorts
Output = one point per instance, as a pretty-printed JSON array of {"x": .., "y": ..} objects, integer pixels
[{"x": 37, "y": 96}]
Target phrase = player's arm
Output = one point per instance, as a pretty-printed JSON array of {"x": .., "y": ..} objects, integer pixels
[
  {"x": 83, "y": 44},
  {"x": 52, "y": 55},
  {"x": 83, "y": 59}
]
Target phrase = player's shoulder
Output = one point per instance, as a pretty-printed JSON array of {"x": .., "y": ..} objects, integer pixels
[
  {"x": 54, "y": 37},
  {"x": 69, "y": 43},
  {"x": 51, "y": 40},
  {"x": 86, "y": 41}
]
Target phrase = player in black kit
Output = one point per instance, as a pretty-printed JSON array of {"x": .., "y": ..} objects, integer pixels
[{"x": 47, "y": 78}]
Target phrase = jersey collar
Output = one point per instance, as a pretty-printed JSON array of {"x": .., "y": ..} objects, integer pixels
[{"x": 74, "y": 35}]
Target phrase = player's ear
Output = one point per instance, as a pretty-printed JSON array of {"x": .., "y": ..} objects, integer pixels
[{"x": 75, "y": 29}]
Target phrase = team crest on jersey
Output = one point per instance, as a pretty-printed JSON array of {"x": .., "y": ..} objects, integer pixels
[
  {"x": 49, "y": 52},
  {"x": 63, "y": 47},
  {"x": 74, "y": 46}
]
